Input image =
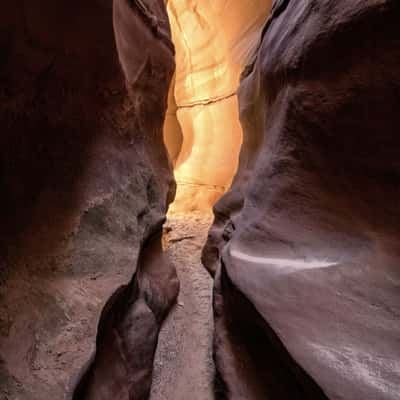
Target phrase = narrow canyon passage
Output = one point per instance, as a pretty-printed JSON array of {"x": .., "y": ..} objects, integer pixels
[
  {"x": 183, "y": 366},
  {"x": 213, "y": 42},
  {"x": 203, "y": 136},
  {"x": 124, "y": 122}
]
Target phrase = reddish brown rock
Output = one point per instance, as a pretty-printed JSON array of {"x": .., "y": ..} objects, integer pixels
[
  {"x": 86, "y": 182},
  {"x": 305, "y": 244}
]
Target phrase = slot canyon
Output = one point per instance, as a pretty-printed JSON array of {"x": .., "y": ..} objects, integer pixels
[{"x": 200, "y": 200}]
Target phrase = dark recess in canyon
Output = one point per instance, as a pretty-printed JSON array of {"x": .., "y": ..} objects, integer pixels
[{"x": 304, "y": 247}]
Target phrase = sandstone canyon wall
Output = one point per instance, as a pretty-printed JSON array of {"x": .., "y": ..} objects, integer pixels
[
  {"x": 86, "y": 183},
  {"x": 214, "y": 40},
  {"x": 305, "y": 245}
]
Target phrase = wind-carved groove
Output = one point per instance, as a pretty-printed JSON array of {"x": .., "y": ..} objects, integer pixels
[
  {"x": 207, "y": 101},
  {"x": 216, "y": 187}
]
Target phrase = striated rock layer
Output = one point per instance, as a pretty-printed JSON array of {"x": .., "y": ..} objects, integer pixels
[
  {"x": 305, "y": 247},
  {"x": 86, "y": 182},
  {"x": 214, "y": 40}
]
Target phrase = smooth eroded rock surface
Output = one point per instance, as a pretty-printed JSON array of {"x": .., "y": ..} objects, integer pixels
[
  {"x": 305, "y": 244},
  {"x": 86, "y": 182},
  {"x": 214, "y": 40}
]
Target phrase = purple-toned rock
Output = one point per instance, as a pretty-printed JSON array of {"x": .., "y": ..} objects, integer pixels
[
  {"x": 86, "y": 182},
  {"x": 305, "y": 246}
]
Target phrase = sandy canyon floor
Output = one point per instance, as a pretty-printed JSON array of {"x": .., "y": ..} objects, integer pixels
[{"x": 183, "y": 367}]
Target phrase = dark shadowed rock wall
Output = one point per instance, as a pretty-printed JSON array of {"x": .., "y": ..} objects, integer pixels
[
  {"x": 305, "y": 245},
  {"x": 85, "y": 185}
]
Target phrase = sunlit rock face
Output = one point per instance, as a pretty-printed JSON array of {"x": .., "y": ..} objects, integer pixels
[
  {"x": 213, "y": 40},
  {"x": 305, "y": 246},
  {"x": 85, "y": 185}
]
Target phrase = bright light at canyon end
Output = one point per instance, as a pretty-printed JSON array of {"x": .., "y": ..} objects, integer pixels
[{"x": 213, "y": 42}]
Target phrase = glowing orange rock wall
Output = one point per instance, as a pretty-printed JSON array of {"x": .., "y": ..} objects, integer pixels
[{"x": 214, "y": 40}]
